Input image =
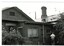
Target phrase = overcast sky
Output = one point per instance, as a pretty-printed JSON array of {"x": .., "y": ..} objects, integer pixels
[{"x": 30, "y": 7}]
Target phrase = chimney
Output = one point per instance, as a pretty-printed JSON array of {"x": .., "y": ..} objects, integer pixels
[{"x": 44, "y": 15}]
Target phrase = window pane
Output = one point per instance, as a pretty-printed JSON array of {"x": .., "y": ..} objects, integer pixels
[
  {"x": 35, "y": 32},
  {"x": 29, "y": 32},
  {"x": 32, "y": 32}
]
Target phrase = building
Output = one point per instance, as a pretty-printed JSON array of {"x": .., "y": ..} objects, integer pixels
[
  {"x": 15, "y": 18},
  {"x": 55, "y": 18}
]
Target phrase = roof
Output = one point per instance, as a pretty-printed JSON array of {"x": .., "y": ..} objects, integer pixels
[
  {"x": 20, "y": 11},
  {"x": 39, "y": 23}
]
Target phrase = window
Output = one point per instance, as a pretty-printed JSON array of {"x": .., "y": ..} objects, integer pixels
[
  {"x": 32, "y": 32},
  {"x": 11, "y": 28},
  {"x": 48, "y": 31},
  {"x": 44, "y": 20},
  {"x": 12, "y": 13}
]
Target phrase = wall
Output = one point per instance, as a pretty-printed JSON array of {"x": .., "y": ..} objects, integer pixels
[
  {"x": 34, "y": 39},
  {"x": 17, "y": 17},
  {"x": 22, "y": 27}
]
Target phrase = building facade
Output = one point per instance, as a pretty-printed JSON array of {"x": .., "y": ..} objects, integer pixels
[{"x": 37, "y": 32}]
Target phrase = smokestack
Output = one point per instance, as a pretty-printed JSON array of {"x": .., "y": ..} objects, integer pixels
[
  {"x": 44, "y": 14},
  {"x": 44, "y": 11}
]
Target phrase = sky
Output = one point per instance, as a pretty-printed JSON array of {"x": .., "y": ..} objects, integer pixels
[{"x": 32, "y": 6}]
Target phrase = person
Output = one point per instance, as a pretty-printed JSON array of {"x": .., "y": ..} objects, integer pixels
[{"x": 52, "y": 38}]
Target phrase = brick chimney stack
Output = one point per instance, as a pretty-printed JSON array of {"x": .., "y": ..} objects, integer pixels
[{"x": 44, "y": 15}]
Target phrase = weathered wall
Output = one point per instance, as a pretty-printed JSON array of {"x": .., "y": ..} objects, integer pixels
[
  {"x": 6, "y": 16},
  {"x": 22, "y": 27},
  {"x": 34, "y": 39}
]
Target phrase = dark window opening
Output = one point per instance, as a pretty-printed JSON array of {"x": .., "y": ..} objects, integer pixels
[
  {"x": 12, "y": 13},
  {"x": 48, "y": 31},
  {"x": 44, "y": 20}
]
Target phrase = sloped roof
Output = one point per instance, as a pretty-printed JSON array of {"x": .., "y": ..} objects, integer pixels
[{"x": 20, "y": 11}]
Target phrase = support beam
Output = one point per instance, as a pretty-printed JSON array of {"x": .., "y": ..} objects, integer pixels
[{"x": 43, "y": 35}]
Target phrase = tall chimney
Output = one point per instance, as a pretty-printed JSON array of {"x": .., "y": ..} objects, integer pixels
[{"x": 44, "y": 15}]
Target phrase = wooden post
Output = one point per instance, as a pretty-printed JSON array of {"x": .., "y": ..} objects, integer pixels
[{"x": 43, "y": 35}]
